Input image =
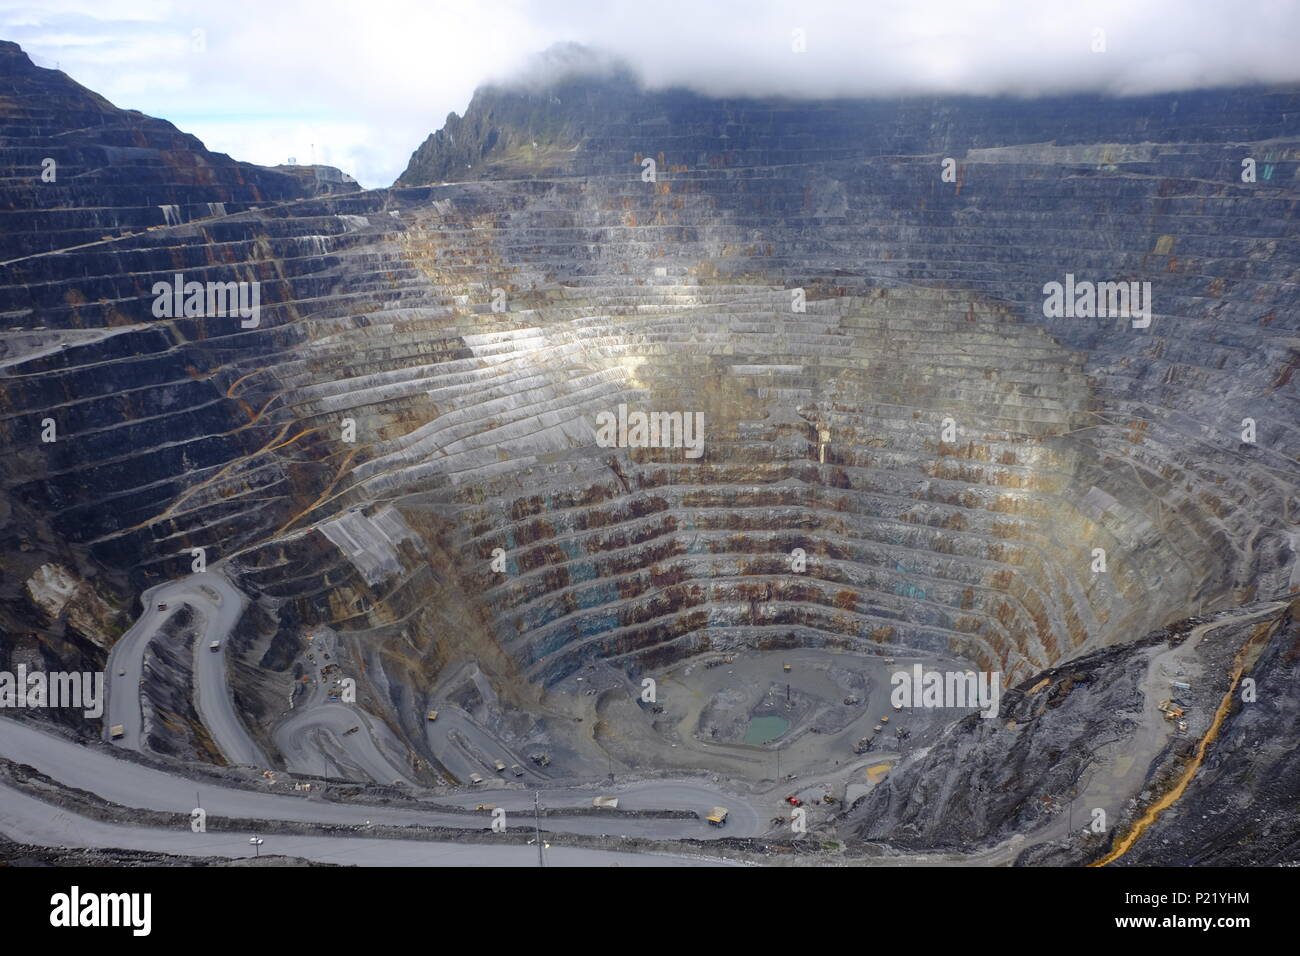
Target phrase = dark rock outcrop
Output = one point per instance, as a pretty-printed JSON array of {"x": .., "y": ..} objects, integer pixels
[
  {"x": 1240, "y": 808},
  {"x": 115, "y": 173},
  {"x": 987, "y": 779}
]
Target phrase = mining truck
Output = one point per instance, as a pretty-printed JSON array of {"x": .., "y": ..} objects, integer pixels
[
  {"x": 116, "y": 731},
  {"x": 718, "y": 818}
]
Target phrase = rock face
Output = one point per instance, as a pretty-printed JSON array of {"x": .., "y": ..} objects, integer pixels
[
  {"x": 419, "y": 401},
  {"x": 1240, "y": 809},
  {"x": 171, "y": 719},
  {"x": 103, "y": 171},
  {"x": 519, "y": 129},
  {"x": 987, "y": 780}
]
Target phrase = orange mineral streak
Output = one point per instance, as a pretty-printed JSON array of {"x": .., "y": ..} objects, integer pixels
[
  {"x": 174, "y": 507},
  {"x": 1169, "y": 799}
]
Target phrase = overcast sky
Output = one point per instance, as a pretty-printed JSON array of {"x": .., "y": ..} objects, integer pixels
[{"x": 360, "y": 84}]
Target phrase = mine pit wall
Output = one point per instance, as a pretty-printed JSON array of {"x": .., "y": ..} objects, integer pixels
[
  {"x": 1210, "y": 559},
  {"x": 117, "y": 172},
  {"x": 401, "y": 618},
  {"x": 1095, "y": 521},
  {"x": 160, "y": 427},
  {"x": 1073, "y": 434},
  {"x": 1177, "y": 514}
]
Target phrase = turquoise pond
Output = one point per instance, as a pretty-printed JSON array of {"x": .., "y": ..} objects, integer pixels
[{"x": 764, "y": 730}]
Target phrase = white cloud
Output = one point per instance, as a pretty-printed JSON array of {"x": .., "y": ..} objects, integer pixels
[{"x": 368, "y": 81}]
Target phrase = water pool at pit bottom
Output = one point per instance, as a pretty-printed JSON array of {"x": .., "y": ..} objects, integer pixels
[{"x": 764, "y": 730}]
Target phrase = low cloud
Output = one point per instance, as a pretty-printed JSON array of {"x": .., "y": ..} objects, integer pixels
[
  {"x": 898, "y": 47},
  {"x": 360, "y": 85}
]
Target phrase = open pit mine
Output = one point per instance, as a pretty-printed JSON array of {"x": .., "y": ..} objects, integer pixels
[{"x": 896, "y": 481}]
